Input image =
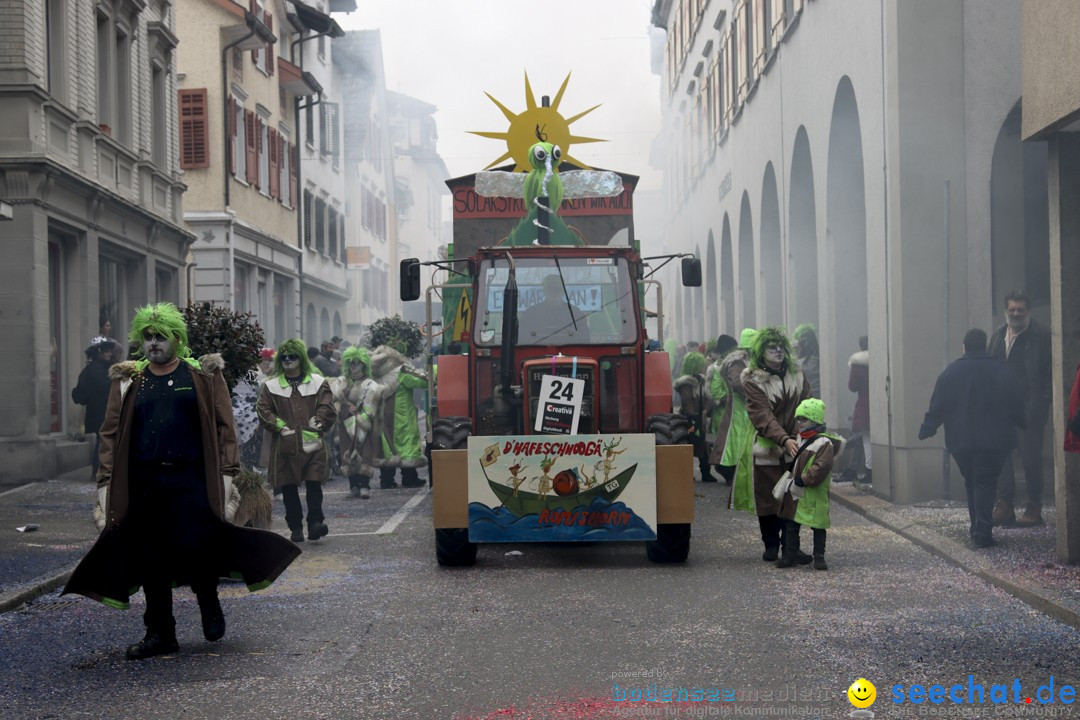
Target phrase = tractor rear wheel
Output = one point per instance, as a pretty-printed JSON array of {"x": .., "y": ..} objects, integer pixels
[
  {"x": 672, "y": 544},
  {"x": 452, "y": 546}
]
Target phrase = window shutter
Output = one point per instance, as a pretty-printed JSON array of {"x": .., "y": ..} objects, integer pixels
[
  {"x": 778, "y": 22},
  {"x": 251, "y": 157},
  {"x": 294, "y": 159},
  {"x": 760, "y": 21},
  {"x": 270, "y": 46},
  {"x": 307, "y": 219},
  {"x": 194, "y": 148},
  {"x": 324, "y": 128},
  {"x": 259, "y": 150},
  {"x": 230, "y": 120},
  {"x": 275, "y": 178},
  {"x": 254, "y": 11}
]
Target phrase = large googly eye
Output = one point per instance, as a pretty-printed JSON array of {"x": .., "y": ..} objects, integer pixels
[
  {"x": 539, "y": 153},
  {"x": 556, "y": 153}
]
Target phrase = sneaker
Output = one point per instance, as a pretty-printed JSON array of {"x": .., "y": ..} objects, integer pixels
[
  {"x": 819, "y": 563},
  {"x": 770, "y": 554},
  {"x": 317, "y": 530},
  {"x": 364, "y": 493},
  {"x": 1032, "y": 515},
  {"x": 153, "y": 644},
  {"x": 1004, "y": 515},
  {"x": 297, "y": 535}
]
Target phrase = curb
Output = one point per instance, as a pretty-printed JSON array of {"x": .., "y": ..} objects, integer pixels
[
  {"x": 40, "y": 585},
  {"x": 879, "y": 511}
]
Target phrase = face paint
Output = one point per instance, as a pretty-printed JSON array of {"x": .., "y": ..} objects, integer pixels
[
  {"x": 774, "y": 356},
  {"x": 158, "y": 349},
  {"x": 290, "y": 363},
  {"x": 356, "y": 371}
]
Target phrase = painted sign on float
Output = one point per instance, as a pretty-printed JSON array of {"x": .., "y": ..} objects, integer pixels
[{"x": 539, "y": 488}]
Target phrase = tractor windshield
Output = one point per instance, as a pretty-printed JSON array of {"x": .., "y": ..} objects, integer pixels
[{"x": 600, "y": 311}]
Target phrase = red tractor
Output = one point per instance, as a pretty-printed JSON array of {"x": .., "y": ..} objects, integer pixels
[{"x": 554, "y": 370}]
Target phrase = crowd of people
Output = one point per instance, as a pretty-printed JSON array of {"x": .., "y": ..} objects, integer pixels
[{"x": 170, "y": 438}]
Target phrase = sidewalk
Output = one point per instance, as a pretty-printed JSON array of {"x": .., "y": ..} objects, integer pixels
[
  {"x": 32, "y": 563},
  {"x": 1023, "y": 562}
]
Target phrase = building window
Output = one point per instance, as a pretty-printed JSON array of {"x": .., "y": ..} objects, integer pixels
[
  {"x": 283, "y": 170},
  {"x": 122, "y": 96},
  {"x": 56, "y": 37},
  {"x": 237, "y": 158},
  {"x": 240, "y": 287},
  {"x": 166, "y": 286},
  {"x": 322, "y": 48},
  {"x": 309, "y": 112},
  {"x": 104, "y": 88},
  {"x": 114, "y": 70},
  {"x": 328, "y": 121},
  {"x": 194, "y": 132}
]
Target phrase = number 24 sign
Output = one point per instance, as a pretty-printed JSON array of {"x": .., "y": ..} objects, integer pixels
[{"x": 559, "y": 409}]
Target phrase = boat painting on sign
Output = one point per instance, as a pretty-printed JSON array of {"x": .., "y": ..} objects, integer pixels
[{"x": 544, "y": 488}]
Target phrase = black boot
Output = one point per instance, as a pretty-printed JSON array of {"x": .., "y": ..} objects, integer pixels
[
  {"x": 791, "y": 554},
  {"x": 317, "y": 530},
  {"x": 819, "y": 549},
  {"x": 770, "y": 536},
  {"x": 154, "y": 643},
  {"x": 410, "y": 479},
  {"x": 213, "y": 617},
  {"x": 386, "y": 478}
]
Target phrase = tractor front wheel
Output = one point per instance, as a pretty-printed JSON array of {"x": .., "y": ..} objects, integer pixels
[
  {"x": 452, "y": 547},
  {"x": 672, "y": 544}
]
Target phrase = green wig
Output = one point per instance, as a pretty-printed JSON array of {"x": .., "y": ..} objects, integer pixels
[
  {"x": 802, "y": 330},
  {"x": 165, "y": 320},
  {"x": 294, "y": 346},
  {"x": 765, "y": 337},
  {"x": 693, "y": 363},
  {"x": 356, "y": 354},
  {"x": 746, "y": 338}
]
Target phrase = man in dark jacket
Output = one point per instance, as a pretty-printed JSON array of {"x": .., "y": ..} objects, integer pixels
[
  {"x": 92, "y": 390},
  {"x": 977, "y": 401},
  {"x": 1024, "y": 345}
]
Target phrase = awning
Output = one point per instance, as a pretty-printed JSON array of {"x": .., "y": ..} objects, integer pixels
[
  {"x": 295, "y": 81},
  {"x": 315, "y": 20}
]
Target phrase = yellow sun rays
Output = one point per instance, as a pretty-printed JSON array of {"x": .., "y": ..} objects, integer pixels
[{"x": 535, "y": 123}]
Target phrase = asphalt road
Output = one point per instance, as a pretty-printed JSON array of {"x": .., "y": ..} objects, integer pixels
[{"x": 366, "y": 625}]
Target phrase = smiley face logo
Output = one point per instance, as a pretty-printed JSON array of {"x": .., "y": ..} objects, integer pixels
[{"x": 862, "y": 693}]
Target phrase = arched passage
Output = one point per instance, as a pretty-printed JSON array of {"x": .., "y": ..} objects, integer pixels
[
  {"x": 1019, "y": 220},
  {"x": 802, "y": 236},
  {"x": 324, "y": 326},
  {"x": 727, "y": 280},
  {"x": 845, "y": 220},
  {"x": 309, "y": 325},
  {"x": 338, "y": 328},
  {"x": 712, "y": 300},
  {"x": 747, "y": 304},
  {"x": 772, "y": 257}
]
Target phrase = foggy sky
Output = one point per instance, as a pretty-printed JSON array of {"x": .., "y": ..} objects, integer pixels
[{"x": 450, "y": 53}]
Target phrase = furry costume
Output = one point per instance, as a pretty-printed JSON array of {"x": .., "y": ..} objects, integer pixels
[{"x": 401, "y": 444}]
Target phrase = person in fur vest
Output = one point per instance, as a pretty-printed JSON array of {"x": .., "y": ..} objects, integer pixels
[
  {"x": 774, "y": 387},
  {"x": 735, "y": 433},
  {"x": 812, "y": 477},
  {"x": 695, "y": 406},
  {"x": 358, "y": 401},
  {"x": 296, "y": 406},
  {"x": 401, "y": 446},
  {"x": 168, "y": 457}
]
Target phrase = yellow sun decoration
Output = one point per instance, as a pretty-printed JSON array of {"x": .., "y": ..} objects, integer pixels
[{"x": 524, "y": 126}]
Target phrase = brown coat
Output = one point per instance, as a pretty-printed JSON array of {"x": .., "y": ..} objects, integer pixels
[
  {"x": 771, "y": 402},
  {"x": 280, "y": 407},
  {"x": 112, "y": 568},
  {"x": 218, "y": 434}
]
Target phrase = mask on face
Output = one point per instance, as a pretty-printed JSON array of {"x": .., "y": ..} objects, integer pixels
[{"x": 158, "y": 349}]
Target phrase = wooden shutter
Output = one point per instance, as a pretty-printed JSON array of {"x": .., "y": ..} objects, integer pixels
[
  {"x": 295, "y": 158},
  {"x": 275, "y": 176},
  {"x": 254, "y": 11},
  {"x": 230, "y": 121},
  {"x": 777, "y": 21},
  {"x": 194, "y": 132},
  {"x": 760, "y": 21},
  {"x": 270, "y": 46},
  {"x": 251, "y": 148},
  {"x": 259, "y": 150}
]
